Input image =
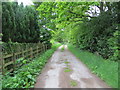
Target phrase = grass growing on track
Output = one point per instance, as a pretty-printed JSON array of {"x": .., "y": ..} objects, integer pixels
[
  {"x": 25, "y": 77},
  {"x": 67, "y": 69},
  {"x": 73, "y": 83},
  {"x": 62, "y": 49},
  {"x": 107, "y": 70},
  {"x": 66, "y": 62}
]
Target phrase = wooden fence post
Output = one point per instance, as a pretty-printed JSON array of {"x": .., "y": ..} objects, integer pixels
[
  {"x": 14, "y": 59},
  {"x": 46, "y": 47},
  {"x": 43, "y": 47},
  {"x": 22, "y": 53},
  {"x": 26, "y": 53},
  {"x": 40, "y": 47},
  {"x": 37, "y": 50},
  {"x": 31, "y": 52},
  {"x": 2, "y": 58}
]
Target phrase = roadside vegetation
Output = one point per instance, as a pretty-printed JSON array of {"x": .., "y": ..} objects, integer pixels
[
  {"x": 107, "y": 70},
  {"x": 25, "y": 76},
  {"x": 90, "y": 28}
]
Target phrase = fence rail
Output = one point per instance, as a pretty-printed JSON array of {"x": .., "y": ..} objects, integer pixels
[{"x": 9, "y": 60}]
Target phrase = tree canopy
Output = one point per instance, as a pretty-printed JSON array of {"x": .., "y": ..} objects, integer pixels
[{"x": 91, "y": 26}]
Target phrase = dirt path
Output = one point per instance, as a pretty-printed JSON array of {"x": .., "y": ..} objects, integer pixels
[{"x": 64, "y": 70}]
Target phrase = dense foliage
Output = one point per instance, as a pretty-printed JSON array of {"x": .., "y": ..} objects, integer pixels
[
  {"x": 19, "y": 23},
  {"x": 92, "y": 26},
  {"x": 25, "y": 76},
  {"x": 89, "y": 26},
  {"x": 99, "y": 34}
]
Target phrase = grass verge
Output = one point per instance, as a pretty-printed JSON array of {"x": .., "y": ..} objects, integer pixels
[
  {"x": 107, "y": 70},
  {"x": 25, "y": 77}
]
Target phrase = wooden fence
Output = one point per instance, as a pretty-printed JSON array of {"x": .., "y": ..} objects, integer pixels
[{"x": 9, "y": 60}]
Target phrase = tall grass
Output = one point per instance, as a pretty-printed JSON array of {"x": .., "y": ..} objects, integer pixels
[{"x": 107, "y": 70}]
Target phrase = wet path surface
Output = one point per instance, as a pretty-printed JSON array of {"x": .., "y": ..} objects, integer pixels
[{"x": 64, "y": 70}]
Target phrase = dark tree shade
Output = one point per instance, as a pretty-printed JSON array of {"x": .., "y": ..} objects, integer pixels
[{"x": 19, "y": 23}]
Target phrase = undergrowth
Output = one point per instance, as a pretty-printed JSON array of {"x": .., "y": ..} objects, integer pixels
[
  {"x": 25, "y": 77},
  {"x": 107, "y": 70}
]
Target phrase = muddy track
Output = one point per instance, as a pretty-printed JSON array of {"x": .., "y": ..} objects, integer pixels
[{"x": 64, "y": 70}]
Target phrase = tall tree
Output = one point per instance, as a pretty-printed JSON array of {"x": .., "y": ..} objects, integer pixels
[{"x": 19, "y": 23}]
